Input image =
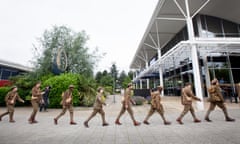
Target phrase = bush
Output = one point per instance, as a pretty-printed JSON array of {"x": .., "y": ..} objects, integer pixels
[
  {"x": 60, "y": 84},
  {"x": 84, "y": 92},
  {"x": 3, "y": 93}
]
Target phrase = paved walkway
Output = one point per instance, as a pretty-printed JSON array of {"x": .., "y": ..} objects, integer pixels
[{"x": 45, "y": 132}]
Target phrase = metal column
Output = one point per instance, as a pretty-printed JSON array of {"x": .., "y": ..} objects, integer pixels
[{"x": 195, "y": 62}]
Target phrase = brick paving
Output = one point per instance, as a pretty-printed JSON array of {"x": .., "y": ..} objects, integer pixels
[{"x": 217, "y": 132}]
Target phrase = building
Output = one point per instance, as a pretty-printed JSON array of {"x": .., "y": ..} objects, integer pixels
[
  {"x": 190, "y": 41},
  {"x": 9, "y": 69}
]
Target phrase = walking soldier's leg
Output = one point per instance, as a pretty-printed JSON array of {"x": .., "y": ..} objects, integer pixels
[
  {"x": 34, "y": 112},
  {"x": 211, "y": 108},
  {"x": 130, "y": 111},
  {"x": 70, "y": 108},
  {"x": 11, "y": 112},
  {"x": 64, "y": 109},
  {"x": 150, "y": 113},
  {"x": 161, "y": 112},
  {"x": 224, "y": 109},
  {"x": 104, "y": 123},
  {"x": 194, "y": 115},
  {"x": 185, "y": 111},
  {"x": 120, "y": 114},
  {"x": 6, "y": 113}
]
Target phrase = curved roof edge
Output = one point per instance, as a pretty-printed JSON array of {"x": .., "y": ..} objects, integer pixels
[{"x": 15, "y": 65}]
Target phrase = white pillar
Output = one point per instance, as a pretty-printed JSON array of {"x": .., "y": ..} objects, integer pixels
[
  {"x": 148, "y": 85},
  {"x": 195, "y": 63},
  {"x": 160, "y": 71},
  {"x": 207, "y": 75},
  {"x": 140, "y": 84}
]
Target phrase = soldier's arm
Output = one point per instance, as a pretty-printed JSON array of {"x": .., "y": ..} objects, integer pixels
[
  {"x": 7, "y": 97},
  {"x": 20, "y": 99},
  {"x": 190, "y": 93}
]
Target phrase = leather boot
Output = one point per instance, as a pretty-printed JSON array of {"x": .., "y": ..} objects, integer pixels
[
  {"x": 179, "y": 120},
  {"x": 136, "y": 123},
  {"x": 207, "y": 119},
  {"x": 228, "y": 119},
  {"x": 117, "y": 122}
]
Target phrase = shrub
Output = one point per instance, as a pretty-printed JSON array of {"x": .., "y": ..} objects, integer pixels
[
  {"x": 60, "y": 84},
  {"x": 3, "y": 92}
]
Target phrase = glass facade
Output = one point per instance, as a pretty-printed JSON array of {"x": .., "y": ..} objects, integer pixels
[{"x": 222, "y": 65}]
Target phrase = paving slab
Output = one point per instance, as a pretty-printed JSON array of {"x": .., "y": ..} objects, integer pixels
[{"x": 45, "y": 132}]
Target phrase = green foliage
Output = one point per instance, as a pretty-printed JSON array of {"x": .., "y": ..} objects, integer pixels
[
  {"x": 126, "y": 81},
  {"x": 84, "y": 92},
  {"x": 79, "y": 60},
  {"x": 87, "y": 88},
  {"x": 3, "y": 93},
  {"x": 59, "y": 85}
]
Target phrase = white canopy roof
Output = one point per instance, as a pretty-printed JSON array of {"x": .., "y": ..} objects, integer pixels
[{"x": 161, "y": 28}]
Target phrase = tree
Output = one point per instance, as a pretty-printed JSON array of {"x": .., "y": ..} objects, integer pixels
[
  {"x": 65, "y": 51},
  {"x": 122, "y": 76},
  {"x": 114, "y": 74}
]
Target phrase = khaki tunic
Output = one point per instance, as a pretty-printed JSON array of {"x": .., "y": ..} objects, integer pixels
[
  {"x": 187, "y": 96},
  {"x": 10, "y": 100},
  {"x": 35, "y": 100},
  {"x": 216, "y": 98}
]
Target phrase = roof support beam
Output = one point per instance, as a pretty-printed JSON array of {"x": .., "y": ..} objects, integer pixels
[
  {"x": 200, "y": 8},
  {"x": 150, "y": 46},
  {"x": 180, "y": 8},
  {"x": 168, "y": 18},
  {"x": 158, "y": 38},
  {"x": 150, "y": 35}
]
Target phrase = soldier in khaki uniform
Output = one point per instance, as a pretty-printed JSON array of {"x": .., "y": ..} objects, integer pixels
[
  {"x": 186, "y": 98},
  {"x": 35, "y": 100},
  {"x": 216, "y": 98},
  {"x": 10, "y": 100},
  {"x": 67, "y": 105},
  {"x": 127, "y": 105},
  {"x": 156, "y": 106},
  {"x": 98, "y": 108}
]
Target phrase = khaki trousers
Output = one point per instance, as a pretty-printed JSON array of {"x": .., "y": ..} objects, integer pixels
[
  {"x": 130, "y": 111},
  {"x": 65, "y": 108},
  {"x": 186, "y": 109},
  {"x": 35, "y": 106},
  {"x": 95, "y": 111},
  {"x": 10, "y": 111},
  {"x": 221, "y": 105},
  {"x": 152, "y": 110}
]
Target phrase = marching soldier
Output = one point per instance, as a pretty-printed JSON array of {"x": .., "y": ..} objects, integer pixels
[
  {"x": 216, "y": 98},
  {"x": 35, "y": 100},
  {"x": 98, "y": 108},
  {"x": 156, "y": 106},
  {"x": 186, "y": 98},
  {"x": 126, "y": 105},
  {"x": 10, "y": 100},
  {"x": 67, "y": 105}
]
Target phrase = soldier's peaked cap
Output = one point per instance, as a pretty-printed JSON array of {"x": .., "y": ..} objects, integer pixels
[{"x": 71, "y": 86}]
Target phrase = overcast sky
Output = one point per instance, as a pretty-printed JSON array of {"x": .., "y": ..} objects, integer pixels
[{"x": 116, "y": 27}]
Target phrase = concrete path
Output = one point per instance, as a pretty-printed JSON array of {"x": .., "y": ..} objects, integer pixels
[{"x": 45, "y": 132}]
